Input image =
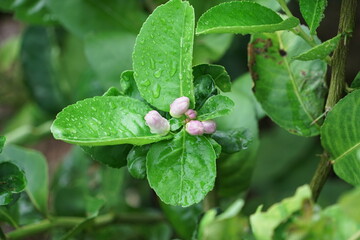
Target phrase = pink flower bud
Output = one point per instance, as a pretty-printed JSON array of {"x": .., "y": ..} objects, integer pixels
[
  {"x": 157, "y": 124},
  {"x": 179, "y": 106},
  {"x": 209, "y": 126},
  {"x": 195, "y": 127},
  {"x": 191, "y": 113}
]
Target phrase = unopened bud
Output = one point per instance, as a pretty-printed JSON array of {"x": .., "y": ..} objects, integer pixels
[
  {"x": 209, "y": 126},
  {"x": 156, "y": 123},
  {"x": 195, "y": 127},
  {"x": 179, "y": 106},
  {"x": 191, "y": 113}
]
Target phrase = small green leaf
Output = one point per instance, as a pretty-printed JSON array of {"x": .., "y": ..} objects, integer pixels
[
  {"x": 176, "y": 123},
  {"x": 313, "y": 12},
  {"x": 242, "y": 17},
  {"x": 290, "y": 92},
  {"x": 204, "y": 88},
  {"x": 264, "y": 224},
  {"x": 164, "y": 73},
  {"x": 2, "y": 142},
  {"x": 35, "y": 167},
  {"x": 105, "y": 121},
  {"x": 182, "y": 171},
  {"x": 340, "y": 136},
  {"x": 12, "y": 181},
  {"x": 320, "y": 51},
  {"x": 112, "y": 91},
  {"x": 356, "y": 82},
  {"x": 232, "y": 140},
  {"x": 218, "y": 74},
  {"x": 215, "y": 106},
  {"x": 128, "y": 85},
  {"x": 136, "y": 161},
  {"x": 112, "y": 156}
]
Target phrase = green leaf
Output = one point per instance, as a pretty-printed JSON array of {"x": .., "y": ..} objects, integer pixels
[
  {"x": 35, "y": 167},
  {"x": 136, "y": 161},
  {"x": 217, "y": 147},
  {"x": 204, "y": 88},
  {"x": 181, "y": 171},
  {"x": 320, "y": 51},
  {"x": 12, "y": 181},
  {"x": 112, "y": 156},
  {"x": 2, "y": 142},
  {"x": 215, "y": 106},
  {"x": 232, "y": 140},
  {"x": 112, "y": 91},
  {"x": 164, "y": 73},
  {"x": 109, "y": 53},
  {"x": 313, "y": 12},
  {"x": 218, "y": 74},
  {"x": 263, "y": 224},
  {"x": 340, "y": 136},
  {"x": 105, "y": 120},
  {"x": 290, "y": 92},
  {"x": 349, "y": 204},
  {"x": 356, "y": 82},
  {"x": 128, "y": 85},
  {"x": 176, "y": 123},
  {"x": 235, "y": 17},
  {"x": 86, "y": 16}
]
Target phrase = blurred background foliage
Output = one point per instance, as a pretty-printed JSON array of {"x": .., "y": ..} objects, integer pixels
[{"x": 54, "y": 53}]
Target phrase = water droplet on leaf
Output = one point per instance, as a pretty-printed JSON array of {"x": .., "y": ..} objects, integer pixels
[{"x": 157, "y": 73}]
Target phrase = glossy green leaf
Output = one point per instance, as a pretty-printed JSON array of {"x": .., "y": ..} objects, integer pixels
[
  {"x": 313, "y": 12},
  {"x": 340, "y": 136},
  {"x": 291, "y": 93},
  {"x": 105, "y": 121},
  {"x": 204, "y": 88},
  {"x": 164, "y": 73},
  {"x": 182, "y": 170},
  {"x": 12, "y": 181},
  {"x": 356, "y": 82},
  {"x": 263, "y": 224},
  {"x": 128, "y": 85},
  {"x": 349, "y": 204},
  {"x": 242, "y": 17},
  {"x": 210, "y": 48},
  {"x": 217, "y": 72},
  {"x": 86, "y": 16},
  {"x": 112, "y": 156},
  {"x": 176, "y": 123},
  {"x": 35, "y": 167},
  {"x": 215, "y": 106},
  {"x": 232, "y": 140},
  {"x": 109, "y": 53},
  {"x": 320, "y": 51},
  {"x": 183, "y": 220},
  {"x": 2, "y": 142},
  {"x": 112, "y": 91},
  {"x": 136, "y": 161}
]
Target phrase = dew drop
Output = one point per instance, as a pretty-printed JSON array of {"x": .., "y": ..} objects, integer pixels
[
  {"x": 173, "y": 69},
  {"x": 152, "y": 63},
  {"x": 146, "y": 83},
  {"x": 156, "y": 91},
  {"x": 96, "y": 120},
  {"x": 157, "y": 73},
  {"x": 93, "y": 108}
]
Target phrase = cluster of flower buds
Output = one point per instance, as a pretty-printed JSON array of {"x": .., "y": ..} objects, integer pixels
[
  {"x": 180, "y": 107},
  {"x": 194, "y": 127}
]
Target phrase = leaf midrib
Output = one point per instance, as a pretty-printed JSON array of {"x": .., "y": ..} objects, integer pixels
[
  {"x": 295, "y": 87},
  {"x": 314, "y": 14},
  {"x": 182, "y": 166},
  {"x": 347, "y": 152}
]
